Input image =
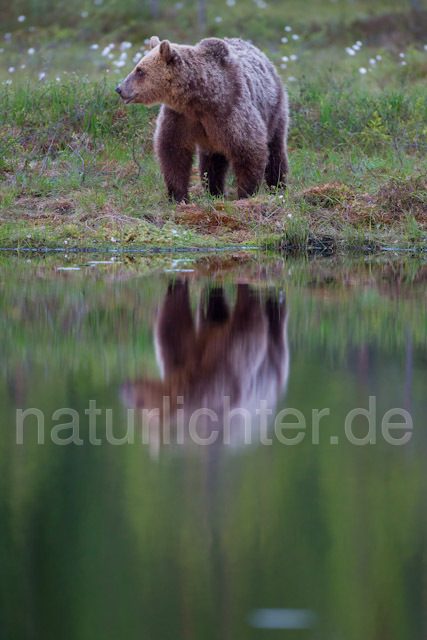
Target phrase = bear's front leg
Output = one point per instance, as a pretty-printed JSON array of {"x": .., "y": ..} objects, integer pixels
[
  {"x": 249, "y": 172},
  {"x": 175, "y": 149},
  {"x": 249, "y": 159},
  {"x": 175, "y": 162},
  {"x": 245, "y": 136}
]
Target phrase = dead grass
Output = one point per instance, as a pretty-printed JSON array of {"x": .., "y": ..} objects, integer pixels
[
  {"x": 328, "y": 195},
  {"x": 217, "y": 216},
  {"x": 207, "y": 220},
  {"x": 332, "y": 210},
  {"x": 34, "y": 207},
  {"x": 394, "y": 201},
  {"x": 398, "y": 197},
  {"x": 333, "y": 206}
]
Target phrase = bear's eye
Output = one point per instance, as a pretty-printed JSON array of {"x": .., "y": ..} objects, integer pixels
[{"x": 139, "y": 72}]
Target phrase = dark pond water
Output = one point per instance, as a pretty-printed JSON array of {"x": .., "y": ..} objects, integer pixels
[{"x": 175, "y": 477}]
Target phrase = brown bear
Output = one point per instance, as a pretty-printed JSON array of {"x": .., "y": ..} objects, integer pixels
[{"x": 223, "y": 97}]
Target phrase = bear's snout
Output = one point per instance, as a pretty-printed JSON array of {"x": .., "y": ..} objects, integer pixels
[{"x": 119, "y": 91}]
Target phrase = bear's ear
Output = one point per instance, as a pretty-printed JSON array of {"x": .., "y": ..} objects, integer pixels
[
  {"x": 154, "y": 41},
  {"x": 215, "y": 48},
  {"x": 168, "y": 53}
]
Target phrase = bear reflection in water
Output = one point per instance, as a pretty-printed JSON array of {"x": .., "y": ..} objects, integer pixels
[{"x": 218, "y": 370}]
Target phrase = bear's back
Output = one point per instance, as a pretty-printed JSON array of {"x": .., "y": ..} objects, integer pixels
[{"x": 259, "y": 75}]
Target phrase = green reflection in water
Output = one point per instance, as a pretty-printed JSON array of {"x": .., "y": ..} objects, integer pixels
[{"x": 185, "y": 541}]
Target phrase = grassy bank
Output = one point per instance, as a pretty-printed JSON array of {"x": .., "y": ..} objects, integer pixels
[{"x": 77, "y": 168}]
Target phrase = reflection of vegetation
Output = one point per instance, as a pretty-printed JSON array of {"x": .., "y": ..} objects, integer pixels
[
  {"x": 103, "y": 542},
  {"x": 112, "y": 315}
]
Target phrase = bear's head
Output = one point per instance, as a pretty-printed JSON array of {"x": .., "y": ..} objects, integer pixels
[
  {"x": 149, "y": 83},
  {"x": 162, "y": 74}
]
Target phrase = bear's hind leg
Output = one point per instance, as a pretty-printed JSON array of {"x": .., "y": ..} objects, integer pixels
[
  {"x": 213, "y": 168},
  {"x": 277, "y": 166}
]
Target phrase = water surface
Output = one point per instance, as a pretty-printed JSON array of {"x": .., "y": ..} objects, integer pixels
[{"x": 114, "y": 527}]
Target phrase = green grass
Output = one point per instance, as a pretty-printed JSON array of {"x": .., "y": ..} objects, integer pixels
[
  {"x": 89, "y": 174},
  {"x": 77, "y": 168}
]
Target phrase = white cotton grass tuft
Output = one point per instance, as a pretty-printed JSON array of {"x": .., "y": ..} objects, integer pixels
[
  {"x": 84, "y": 14},
  {"x": 94, "y": 47},
  {"x": 350, "y": 51},
  {"x": 362, "y": 70},
  {"x": 288, "y": 28},
  {"x": 11, "y": 69},
  {"x": 285, "y": 58},
  {"x": 230, "y": 3},
  {"x": 21, "y": 18},
  {"x": 7, "y": 36},
  {"x": 401, "y": 55},
  {"x": 283, "y": 66},
  {"x": 218, "y": 19},
  {"x": 125, "y": 45},
  {"x": 403, "y": 63},
  {"x": 9, "y": 82},
  {"x": 293, "y": 57},
  {"x": 295, "y": 37},
  {"x": 42, "y": 76},
  {"x": 284, "y": 40},
  {"x": 31, "y": 51}
]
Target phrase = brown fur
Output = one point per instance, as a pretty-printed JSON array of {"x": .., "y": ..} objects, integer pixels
[
  {"x": 241, "y": 353},
  {"x": 222, "y": 97}
]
